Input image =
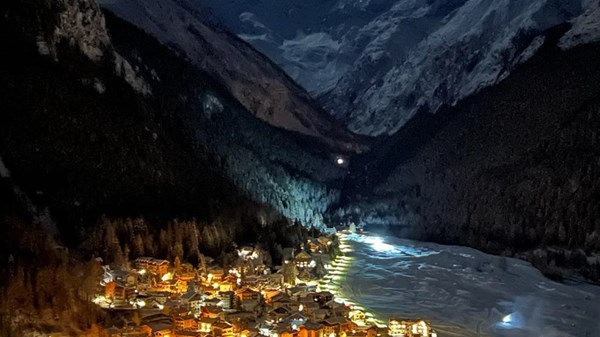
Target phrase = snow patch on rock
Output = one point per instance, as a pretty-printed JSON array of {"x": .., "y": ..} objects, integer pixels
[
  {"x": 82, "y": 24},
  {"x": 4, "y": 172},
  {"x": 211, "y": 105},
  {"x": 125, "y": 70},
  {"x": 586, "y": 28}
]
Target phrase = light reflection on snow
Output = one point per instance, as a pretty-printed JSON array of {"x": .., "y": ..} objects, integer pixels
[
  {"x": 463, "y": 292},
  {"x": 379, "y": 246}
]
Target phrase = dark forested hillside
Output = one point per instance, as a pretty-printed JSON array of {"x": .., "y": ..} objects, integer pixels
[
  {"x": 513, "y": 170},
  {"x": 99, "y": 118}
]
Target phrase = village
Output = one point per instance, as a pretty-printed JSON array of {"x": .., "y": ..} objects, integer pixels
[{"x": 247, "y": 299}]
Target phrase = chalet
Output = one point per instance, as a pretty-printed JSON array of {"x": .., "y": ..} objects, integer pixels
[
  {"x": 119, "y": 291},
  {"x": 324, "y": 241},
  {"x": 296, "y": 291},
  {"x": 294, "y": 320},
  {"x": 205, "y": 324},
  {"x": 408, "y": 328},
  {"x": 249, "y": 299},
  {"x": 282, "y": 330},
  {"x": 118, "y": 275},
  {"x": 278, "y": 314},
  {"x": 130, "y": 331},
  {"x": 271, "y": 281},
  {"x": 187, "y": 322},
  {"x": 226, "y": 299},
  {"x": 186, "y": 276},
  {"x": 324, "y": 296},
  {"x": 212, "y": 312},
  {"x": 319, "y": 314},
  {"x": 336, "y": 326},
  {"x": 303, "y": 260},
  {"x": 162, "y": 332},
  {"x": 291, "y": 304},
  {"x": 158, "y": 296},
  {"x": 309, "y": 308},
  {"x": 222, "y": 329},
  {"x": 250, "y": 281},
  {"x": 215, "y": 274},
  {"x": 229, "y": 283},
  {"x": 155, "y": 266},
  {"x": 310, "y": 329},
  {"x": 247, "y": 294},
  {"x": 188, "y": 333},
  {"x": 325, "y": 259},
  {"x": 270, "y": 294},
  {"x": 357, "y": 315},
  {"x": 160, "y": 329},
  {"x": 212, "y": 302},
  {"x": 175, "y": 286},
  {"x": 192, "y": 299},
  {"x": 314, "y": 246},
  {"x": 237, "y": 317},
  {"x": 365, "y": 331}
]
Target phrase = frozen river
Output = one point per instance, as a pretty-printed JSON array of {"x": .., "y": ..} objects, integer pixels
[{"x": 462, "y": 291}]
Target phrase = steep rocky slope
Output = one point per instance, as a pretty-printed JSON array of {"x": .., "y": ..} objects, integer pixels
[
  {"x": 258, "y": 84},
  {"x": 375, "y": 63},
  {"x": 99, "y": 118},
  {"x": 512, "y": 170}
]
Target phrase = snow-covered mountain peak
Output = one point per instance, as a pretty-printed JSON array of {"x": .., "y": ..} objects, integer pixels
[{"x": 374, "y": 64}]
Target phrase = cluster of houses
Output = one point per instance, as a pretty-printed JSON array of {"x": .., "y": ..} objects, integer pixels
[{"x": 247, "y": 300}]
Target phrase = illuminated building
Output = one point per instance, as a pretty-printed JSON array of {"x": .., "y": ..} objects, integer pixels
[
  {"x": 155, "y": 266},
  {"x": 406, "y": 328}
]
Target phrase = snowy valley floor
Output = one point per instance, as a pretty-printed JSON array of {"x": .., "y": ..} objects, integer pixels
[{"x": 462, "y": 291}]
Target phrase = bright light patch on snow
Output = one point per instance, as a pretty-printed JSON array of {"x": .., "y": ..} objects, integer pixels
[
  {"x": 378, "y": 245},
  {"x": 4, "y": 172}
]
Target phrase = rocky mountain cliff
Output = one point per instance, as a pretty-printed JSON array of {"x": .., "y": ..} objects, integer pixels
[
  {"x": 513, "y": 170},
  {"x": 258, "y": 84},
  {"x": 376, "y": 63},
  {"x": 100, "y": 118}
]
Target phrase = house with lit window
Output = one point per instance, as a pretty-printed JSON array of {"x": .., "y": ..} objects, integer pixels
[
  {"x": 150, "y": 264},
  {"x": 357, "y": 316},
  {"x": 163, "y": 332},
  {"x": 119, "y": 291},
  {"x": 222, "y": 329},
  {"x": 205, "y": 324},
  {"x": 337, "y": 326},
  {"x": 313, "y": 246},
  {"x": 304, "y": 260},
  {"x": 294, "y": 320},
  {"x": 229, "y": 283},
  {"x": 131, "y": 331},
  {"x": 119, "y": 275},
  {"x": 212, "y": 312},
  {"x": 311, "y": 329},
  {"x": 249, "y": 299},
  {"x": 278, "y": 314},
  {"x": 408, "y": 328},
  {"x": 187, "y": 322},
  {"x": 192, "y": 299},
  {"x": 188, "y": 333},
  {"x": 282, "y": 330}
]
